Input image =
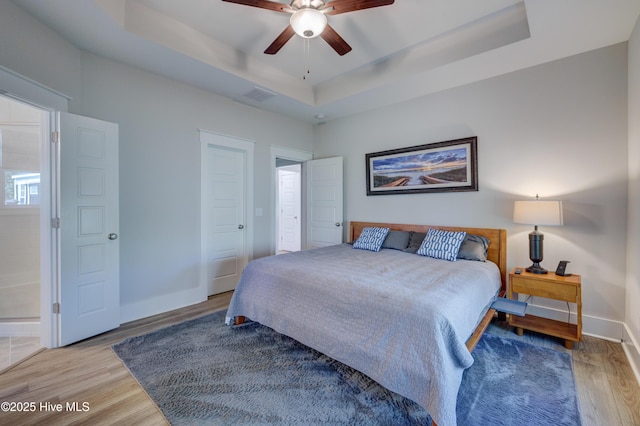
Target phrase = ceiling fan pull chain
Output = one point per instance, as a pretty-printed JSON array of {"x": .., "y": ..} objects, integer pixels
[{"x": 306, "y": 57}]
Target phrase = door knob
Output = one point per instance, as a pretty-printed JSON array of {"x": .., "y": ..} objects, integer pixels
[
  {"x": 338, "y": 224},
  {"x": 113, "y": 236},
  {"x": 240, "y": 226}
]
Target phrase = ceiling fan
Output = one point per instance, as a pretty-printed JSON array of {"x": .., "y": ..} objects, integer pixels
[{"x": 309, "y": 20}]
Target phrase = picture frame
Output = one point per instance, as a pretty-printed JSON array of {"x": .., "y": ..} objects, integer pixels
[{"x": 449, "y": 166}]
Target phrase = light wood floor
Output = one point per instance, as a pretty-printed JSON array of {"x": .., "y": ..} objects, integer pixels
[{"x": 89, "y": 372}]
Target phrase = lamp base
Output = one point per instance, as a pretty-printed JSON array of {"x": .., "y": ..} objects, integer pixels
[
  {"x": 535, "y": 252},
  {"x": 536, "y": 269}
]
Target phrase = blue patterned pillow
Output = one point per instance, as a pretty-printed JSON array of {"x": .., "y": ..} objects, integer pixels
[
  {"x": 442, "y": 244},
  {"x": 371, "y": 239}
]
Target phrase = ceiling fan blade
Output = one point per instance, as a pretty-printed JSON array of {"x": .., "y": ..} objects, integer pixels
[
  {"x": 333, "y": 38},
  {"x": 344, "y": 6},
  {"x": 263, "y": 4},
  {"x": 280, "y": 41}
]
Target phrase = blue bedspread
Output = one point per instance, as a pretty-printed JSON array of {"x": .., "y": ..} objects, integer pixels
[{"x": 400, "y": 318}]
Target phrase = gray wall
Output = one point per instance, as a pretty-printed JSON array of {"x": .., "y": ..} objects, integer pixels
[
  {"x": 160, "y": 169},
  {"x": 559, "y": 129},
  {"x": 633, "y": 247},
  {"x": 34, "y": 50}
]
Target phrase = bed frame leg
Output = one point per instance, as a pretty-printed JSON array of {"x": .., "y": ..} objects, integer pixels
[{"x": 239, "y": 320}]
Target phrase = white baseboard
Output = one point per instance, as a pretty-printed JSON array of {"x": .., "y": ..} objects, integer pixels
[
  {"x": 158, "y": 305},
  {"x": 20, "y": 329},
  {"x": 632, "y": 350}
]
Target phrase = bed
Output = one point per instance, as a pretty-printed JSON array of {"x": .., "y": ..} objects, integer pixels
[{"x": 380, "y": 312}]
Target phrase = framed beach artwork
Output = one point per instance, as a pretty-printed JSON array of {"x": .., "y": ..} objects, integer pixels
[{"x": 449, "y": 166}]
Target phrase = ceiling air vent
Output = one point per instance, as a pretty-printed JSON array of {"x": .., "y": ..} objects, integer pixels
[{"x": 259, "y": 95}]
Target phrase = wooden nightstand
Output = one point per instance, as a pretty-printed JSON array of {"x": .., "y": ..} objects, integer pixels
[{"x": 550, "y": 286}]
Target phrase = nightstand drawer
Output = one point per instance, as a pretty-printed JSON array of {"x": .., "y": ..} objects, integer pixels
[{"x": 551, "y": 290}]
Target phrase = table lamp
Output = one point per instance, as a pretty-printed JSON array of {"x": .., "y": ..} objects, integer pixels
[{"x": 548, "y": 213}]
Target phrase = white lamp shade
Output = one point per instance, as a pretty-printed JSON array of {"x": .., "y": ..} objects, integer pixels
[
  {"x": 308, "y": 23},
  {"x": 547, "y": 213}
]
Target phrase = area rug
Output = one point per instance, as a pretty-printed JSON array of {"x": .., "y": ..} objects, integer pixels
[{"x": 202, "y": 372}]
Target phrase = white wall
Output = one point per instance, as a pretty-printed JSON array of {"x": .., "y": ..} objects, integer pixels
[
  {"x": 559, "y": 129},
  {"x": 633, "y": 246},
  {"x": 159, "y": 155}
]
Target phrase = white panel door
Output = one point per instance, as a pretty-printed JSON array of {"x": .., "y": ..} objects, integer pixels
[
  {"x": 290, "y": 207},
  {"x": 225, "y": 248},
  {"x": 324, "y": 202},
  {"x": 89, "y": 219}
]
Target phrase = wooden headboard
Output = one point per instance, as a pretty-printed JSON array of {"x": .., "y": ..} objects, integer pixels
[{"x": 497, "y": 252}]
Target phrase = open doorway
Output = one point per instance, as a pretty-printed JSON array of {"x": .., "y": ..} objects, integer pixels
[
  {"x": 24, "y": 195},
  {"x": 289, "y": 206},
  {"x": 282, "y": 157}
]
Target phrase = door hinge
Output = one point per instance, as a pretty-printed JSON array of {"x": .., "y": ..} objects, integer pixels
[
  {"x": 56, "y": 308},
  {"x": 55, "y": 137},
  {"x": 55, "y": 223}
]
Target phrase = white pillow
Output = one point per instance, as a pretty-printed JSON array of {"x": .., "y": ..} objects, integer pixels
[
  {"x": 371, "y": 239},
  {"x": 441, "y": 244}
]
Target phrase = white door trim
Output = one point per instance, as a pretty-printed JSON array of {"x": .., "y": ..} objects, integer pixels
[
  {"x": 50, "y": 241},
  {"x": 208, "y": 138},
  {"x": 24, "y": 89},
  {"x": 294, "y": 155}
]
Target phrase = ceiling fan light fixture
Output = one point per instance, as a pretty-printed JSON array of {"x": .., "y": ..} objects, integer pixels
[{"x": 308, "y": 23}]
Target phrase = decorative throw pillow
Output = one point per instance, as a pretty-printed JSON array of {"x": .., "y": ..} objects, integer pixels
[
  {"x": 397, "y": 240},
  {"x": 474, "y": 247},
  {"x": 441, "y": 244},
  {"x": 371, "y": 239}
]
